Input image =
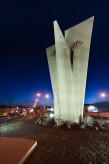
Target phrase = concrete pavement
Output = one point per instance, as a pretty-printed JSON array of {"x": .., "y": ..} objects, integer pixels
[{"x": 15, "y": 150}]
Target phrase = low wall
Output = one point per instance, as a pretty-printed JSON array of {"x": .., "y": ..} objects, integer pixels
[{"x": 97, "y": 114}]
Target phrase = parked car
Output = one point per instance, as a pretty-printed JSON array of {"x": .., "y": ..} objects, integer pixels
[{"x": 3, "y": 113}]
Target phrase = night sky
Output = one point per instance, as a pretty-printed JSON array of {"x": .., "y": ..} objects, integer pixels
[{"x": 26, "y": 30}]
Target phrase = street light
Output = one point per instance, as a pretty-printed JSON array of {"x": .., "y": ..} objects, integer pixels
[
  {"x": 37, "y": 102},
  {"x": 103, "y": 95},
  {"x": 46, "y": 97},
  {"x": 38, "y": 95},
  {"x": 34, "y": 105}
]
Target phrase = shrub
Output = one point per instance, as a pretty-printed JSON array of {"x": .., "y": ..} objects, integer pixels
[
  {"x": 87, "y": 121},
  {"x": 59, "y": 122}
]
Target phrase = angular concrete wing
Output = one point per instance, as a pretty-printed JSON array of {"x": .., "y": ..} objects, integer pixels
[
  {"x": 81, "y": 32},
  {"x": 51, "y": 56},
  {"x": 64, "y": 73}
]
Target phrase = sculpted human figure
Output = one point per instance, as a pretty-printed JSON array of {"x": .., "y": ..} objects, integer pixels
[
  {"x": 53, "y": 54},
  {"x": 76, "y": 45}
]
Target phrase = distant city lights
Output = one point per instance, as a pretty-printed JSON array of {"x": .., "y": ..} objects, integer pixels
[
  {"x": 51, "y": 115},
  {"x": 31, "y": 110},
  {"x": 50, "y": 109}
]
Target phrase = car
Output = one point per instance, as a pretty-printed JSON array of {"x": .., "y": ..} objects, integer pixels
[{"x": 3, "y": 113}]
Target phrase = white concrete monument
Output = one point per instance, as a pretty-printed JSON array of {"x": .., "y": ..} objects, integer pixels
[{"x": 68, "y": 63}]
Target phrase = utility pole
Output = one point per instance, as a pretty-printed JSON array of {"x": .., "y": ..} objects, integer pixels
[{"x": 10, "y": 103}]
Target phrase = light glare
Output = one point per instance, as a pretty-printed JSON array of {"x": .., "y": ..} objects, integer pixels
[
  {"x": 38, "y": 94},
  {"x": 103, "y": 95},
  {"x": 51, "y": 115},
  {"x": 47, "y": 96}
]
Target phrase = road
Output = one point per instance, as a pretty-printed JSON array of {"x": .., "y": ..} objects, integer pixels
[{"x": 15, "y": 118}]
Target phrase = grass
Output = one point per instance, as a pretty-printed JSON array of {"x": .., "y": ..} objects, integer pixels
[{"x": 72, "y": 147}]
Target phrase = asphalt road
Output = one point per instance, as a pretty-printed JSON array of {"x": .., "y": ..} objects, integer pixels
[{"x": 16, "y": 118}]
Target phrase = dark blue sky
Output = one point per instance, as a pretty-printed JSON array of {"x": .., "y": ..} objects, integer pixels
[{"x": 26, "y": 30}]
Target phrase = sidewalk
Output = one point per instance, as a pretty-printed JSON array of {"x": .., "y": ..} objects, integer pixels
[{"x": 15, "y": 150}]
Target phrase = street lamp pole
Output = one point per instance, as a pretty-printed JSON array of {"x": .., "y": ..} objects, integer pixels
[
  {"x": 46, "y": 97},
  {"x": 45, "y": 101},
  {"x": 103, "y": 95},
  {"x": 38, "y": 95}
]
